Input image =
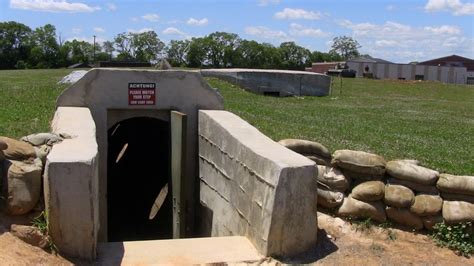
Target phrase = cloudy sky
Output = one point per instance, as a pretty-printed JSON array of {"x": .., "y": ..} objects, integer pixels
[{"x": 400, "y": 31}]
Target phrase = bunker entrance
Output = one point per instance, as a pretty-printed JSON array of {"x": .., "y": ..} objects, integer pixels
[{"x": 139, "y": 175}]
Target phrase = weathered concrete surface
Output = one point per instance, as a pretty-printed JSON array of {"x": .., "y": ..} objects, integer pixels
[
  {"x": 71, "y": 184},
  {"x": 105, "y": 92},
  {"x": 282, "y": 82},
  {"x": 191, "y": 251},
  {"x": 255, "y": 187}
]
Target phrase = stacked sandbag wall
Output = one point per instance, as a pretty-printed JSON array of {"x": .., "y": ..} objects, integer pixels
[
  {"x": 21, "y": 168},
  {"x": 361, "y": 185}
]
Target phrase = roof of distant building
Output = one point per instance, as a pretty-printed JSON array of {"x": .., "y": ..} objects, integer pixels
[
  {"x": 364, "y": 59},
  {"x": 451, "y": 60}
]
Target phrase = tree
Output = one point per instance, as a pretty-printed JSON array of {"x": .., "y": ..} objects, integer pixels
[
  {"x": 108, "y": 48},
  {"x": 14, "y": 43},
  {"x": 294, "y": 57},
  {"x": 345, "y": 46},
  {"x": 317, "y": 56},
  {"x": 144, "y": 46},
  {"x": 177, "y": 52},
  {"x": 198, "y": 53},
  {"x": 46, "y": 47}
]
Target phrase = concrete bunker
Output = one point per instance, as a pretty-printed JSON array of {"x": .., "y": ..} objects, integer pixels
[{"x": 98, "y": 189}]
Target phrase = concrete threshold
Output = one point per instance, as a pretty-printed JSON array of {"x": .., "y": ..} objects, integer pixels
[{"x": 190, "y": 251}]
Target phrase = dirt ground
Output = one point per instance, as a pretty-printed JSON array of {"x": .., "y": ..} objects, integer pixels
[{"x": 339, "y": 243}]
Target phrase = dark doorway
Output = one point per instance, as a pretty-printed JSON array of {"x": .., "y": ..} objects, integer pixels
[{"x": 136, "y": 173}]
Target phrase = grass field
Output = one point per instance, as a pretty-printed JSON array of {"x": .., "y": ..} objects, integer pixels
[{"x": 428, "y": 121}]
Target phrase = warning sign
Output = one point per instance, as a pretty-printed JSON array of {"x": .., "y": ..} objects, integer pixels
[{"x": 141, "y": 93}]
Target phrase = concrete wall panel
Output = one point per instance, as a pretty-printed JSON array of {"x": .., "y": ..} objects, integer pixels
[
  {"x": 283, "y": 82},
  {"x": 71, "y": 184},
  {"x": 255, "y": 187}
]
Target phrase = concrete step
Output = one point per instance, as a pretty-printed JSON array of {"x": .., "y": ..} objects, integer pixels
[{"x": 234, "y": 249}]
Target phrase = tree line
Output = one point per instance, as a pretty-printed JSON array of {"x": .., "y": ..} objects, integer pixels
[{"x": 22, "y": 47}]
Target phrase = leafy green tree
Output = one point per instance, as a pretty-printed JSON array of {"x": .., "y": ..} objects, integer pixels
[
  {"x": 108, "y": 48},
  {"x": 14, "y": 43},
  {"x": 346, "y": 47},
  {"x": 177, "y": 52},
  {"x": 317, "y": 56},
  {"x": 46, "y": 47},
  {"x": 222, "y": 46},
  {"x": 198, "y": 53},
  {"x": 144, "y": 46},
  {"x": 294, "y": 57}
]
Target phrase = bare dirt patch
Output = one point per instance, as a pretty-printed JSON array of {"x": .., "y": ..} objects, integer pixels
[{"x": 341, "y": 243}]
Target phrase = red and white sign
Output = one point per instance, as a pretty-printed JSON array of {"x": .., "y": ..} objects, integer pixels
[{"x": 141, "y": 93}]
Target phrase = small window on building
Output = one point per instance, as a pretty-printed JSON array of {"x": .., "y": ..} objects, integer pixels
[
  {"x": 419, "y": 77},
  {"x": 400, "y": 78},
  {"x": 470, "y": 80}
]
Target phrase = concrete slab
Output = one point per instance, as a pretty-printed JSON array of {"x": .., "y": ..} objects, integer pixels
[
  {"x": 275, "y": 82},
  {"x": 189, "y": 251}
]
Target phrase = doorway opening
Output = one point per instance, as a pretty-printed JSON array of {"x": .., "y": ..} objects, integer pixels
[{"x": 138, "y": 169}]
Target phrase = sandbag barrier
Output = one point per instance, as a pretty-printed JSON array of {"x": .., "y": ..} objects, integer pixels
[
  {"x": 21, "y": 169},
  {"x": 363, "y": 185}
]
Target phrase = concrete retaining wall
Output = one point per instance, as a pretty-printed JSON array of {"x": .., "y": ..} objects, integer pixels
[
  {"x": 281, "y": 82},
  {"x": 256, "y": 187},
  {"x": 71, "y": 184}
]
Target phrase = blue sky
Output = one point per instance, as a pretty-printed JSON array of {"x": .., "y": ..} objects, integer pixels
[{"x": 400, "y": 31}]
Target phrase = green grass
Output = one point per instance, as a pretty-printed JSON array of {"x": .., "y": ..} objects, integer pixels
[
  {"x": 28, "y": 100},
  {"x": 428, "y": 121}
]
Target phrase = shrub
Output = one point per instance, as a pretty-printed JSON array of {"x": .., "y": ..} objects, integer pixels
[
  {"x": 458, "y": 237},
  {"x": 20, "y": 64}
]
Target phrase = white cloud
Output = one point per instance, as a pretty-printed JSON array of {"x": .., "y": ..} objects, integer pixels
[
  {"x": 400, "y": 42},
  {"x": 99, "y": 29},
  {"x": 197, "y": 22},
  {"x": 290, "y": 13},
  {"x": 134, "y": 19},
  {"x": 140, "y": 30},
  {"x": 151, "y": 17},
  {"x": 76, "y": 30},
  {"x": 174, "y": 31},
  {"x": 301, "y": 31},
  {"x": 268, "y": 2},
  {"x": 456, "y": 7},
  {"x": 390, "y": 7},
  {"x": 445, "y": 29},
  {"x": 111, "y": 7},
  {"x": 265, "y": 33},
  {"x": 52, "y": 6}
]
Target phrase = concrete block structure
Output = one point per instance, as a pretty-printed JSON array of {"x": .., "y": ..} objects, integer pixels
[
  {"x": 255, "y": 187},
  {"x": 274, "y": 82},
  {"x": 135, "y": 132},
  {"x": 71, "y": 184}
]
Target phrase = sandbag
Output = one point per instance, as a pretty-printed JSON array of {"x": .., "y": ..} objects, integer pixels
[
  {"x": 412, "y": 161},
  {"x": 415, "y": 186},
  {"x": 460, "y": 184},
  {"x": 398, "y": 196},
  {"x": 42, "y": 139},
  {"x": 369, "y": 191},
  {"x": 457, "y": 197},
  {"x": 3, "y": 145},
  {"x": 333, "y": 178},
  {"x": 404, "y": 217},
  {"x": 427, "y": 205},
  {"x": 411, "y": 172},
  {"x": 329, "y": 199},
  {"x": 360, "y": 162},
  {"x": 18, "y": 150},
  {"x": 458, "y": 211},
  {"x": 319, "y": 160},
  {"x": 351, "y": 207},
  {"x": 306, "y": 147},
  {"x": 23, "y": 186},
  {"x": 42, "y": 152},
  {"x": 430, "y": 221}
]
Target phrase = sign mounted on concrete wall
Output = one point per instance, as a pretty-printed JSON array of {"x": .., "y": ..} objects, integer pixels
[{"x": 141, "y": 93}]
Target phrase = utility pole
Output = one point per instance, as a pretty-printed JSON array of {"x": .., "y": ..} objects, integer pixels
[{"x": 93, "y": 59}]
